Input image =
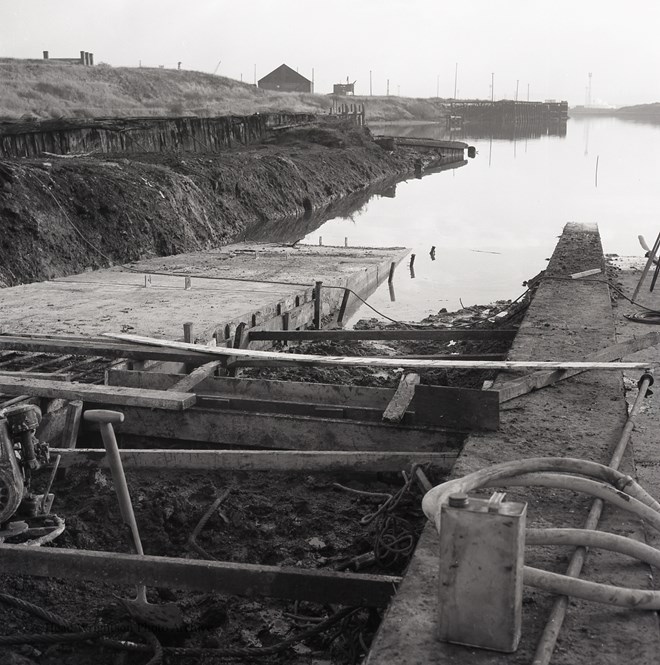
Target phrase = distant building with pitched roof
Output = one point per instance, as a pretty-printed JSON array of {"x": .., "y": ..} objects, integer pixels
[{"x": 285, "y": 79}]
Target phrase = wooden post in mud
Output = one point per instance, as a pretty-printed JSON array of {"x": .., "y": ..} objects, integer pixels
[
  {"x": 344, "y": 304},
  {"x": 317, "y": 305},
  {"x": 71, "y": 429},
  {"x": 320, "y": 240},
  {"x": 392, "y": 267},
  {"x": 188, "y": 332}
]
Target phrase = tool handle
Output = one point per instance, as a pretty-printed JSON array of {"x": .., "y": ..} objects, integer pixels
[
  {"x": 103, "y": 416},
  {"x": 116, "y": 468}
]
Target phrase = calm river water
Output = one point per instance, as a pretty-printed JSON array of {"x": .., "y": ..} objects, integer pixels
[{"x": 495, "y": 221}]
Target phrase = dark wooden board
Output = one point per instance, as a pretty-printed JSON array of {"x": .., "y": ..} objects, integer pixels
[
  {"x": 258, "y": 460},
  {"x": 259, "y": 430},
  {"x": 352, "y": 335},
  {"x": 208, "y": 576},
  {"x": 439, "y": 406}
]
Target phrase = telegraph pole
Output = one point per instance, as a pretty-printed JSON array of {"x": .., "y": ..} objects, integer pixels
[
  {"x": 517, "y": 82},
  {"x": 388, "y": 87},
  {"x": 312, "y": 79}
]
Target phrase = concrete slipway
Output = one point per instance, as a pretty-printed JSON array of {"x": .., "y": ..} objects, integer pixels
[
  {"x": 242, "y": 282},
  {"x": 579, "y": 417}
]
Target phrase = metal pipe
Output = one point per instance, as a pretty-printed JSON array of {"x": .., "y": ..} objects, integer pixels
[{"x": 548, "y": 641}]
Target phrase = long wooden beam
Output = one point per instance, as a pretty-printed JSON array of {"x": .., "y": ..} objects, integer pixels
[
  {"x": 353, "y": 335},
  {"x": 94, "y": 393},
  {"x": 289, "y": 359},
  {"x": 208, "y": 576},
  {"x": 36, "y": 375},
  {"x": 273, "y": 430},
  {"x": 375, "y": 361},
  {"x": 526, "y": 384},
  {"x": 257, "y": 460},
  {"x": 440, "y": 406}
]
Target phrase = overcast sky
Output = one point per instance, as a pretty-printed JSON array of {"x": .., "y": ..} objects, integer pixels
[{"x": 549, "y": 45}]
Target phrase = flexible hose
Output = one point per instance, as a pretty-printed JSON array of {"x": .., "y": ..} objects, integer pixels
[
  {"x": 591, "y": 538},
  {"x": 596, "y": 592},
  {"x": 641, "y": 599},
  {"x": 437, "y": 496},
  {"x": 586, "y": 486},
  {"x": 554, "y": 472}
]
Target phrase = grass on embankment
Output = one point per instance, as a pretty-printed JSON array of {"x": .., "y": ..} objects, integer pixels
[{"x": 34, "y": 88}]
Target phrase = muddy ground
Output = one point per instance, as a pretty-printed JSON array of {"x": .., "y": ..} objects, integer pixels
[
  {"x": 275, "y": 519},
  {"x": 62, "y": 215}
]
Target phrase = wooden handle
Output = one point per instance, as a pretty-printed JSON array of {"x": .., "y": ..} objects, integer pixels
[{"x": 103, "y": 416}]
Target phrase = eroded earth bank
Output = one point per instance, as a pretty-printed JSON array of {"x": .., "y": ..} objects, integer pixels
[{"x": 60, "y": 215}]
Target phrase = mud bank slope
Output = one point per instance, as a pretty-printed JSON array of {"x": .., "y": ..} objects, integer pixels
[{"x": 62, "y": 215}]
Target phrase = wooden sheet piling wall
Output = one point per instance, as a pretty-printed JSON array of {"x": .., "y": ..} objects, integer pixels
[{"x": 139, "y": 135}]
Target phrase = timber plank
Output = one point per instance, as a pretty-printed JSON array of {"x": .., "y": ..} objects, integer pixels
[
  {"x": 208, "y": 576},
  {"x": 265, "y": 389},
  {"x": 402, "y": 398},
  {"x": 36, "y": 375},
  {"x": 258, "y": 460},
  {"x": 353, "y": 335},
  {"x": 273, "y": 430},
  {"x": 364, "y": 413},
  {"x": 526, "y": 384},
  {"x": 196, "y": 376},
  {"x": 440, "y": 406},
  {"x": 90, "y": 392},
  {"x": 84, "y": 346},
  {"x": 305, "y": 359}
]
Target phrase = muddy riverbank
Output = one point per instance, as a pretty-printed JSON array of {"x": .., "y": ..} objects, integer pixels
[{"x": 62, "y": 215}]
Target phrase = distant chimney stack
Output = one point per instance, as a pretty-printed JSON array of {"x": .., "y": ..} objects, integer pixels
[
  {"x": 45, "y": 55},
  {"x": 82, "y": 58},
  {"x": 91, "y": 59}
]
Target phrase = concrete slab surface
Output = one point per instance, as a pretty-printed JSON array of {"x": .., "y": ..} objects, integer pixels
[{"x": 116, "y": 300}]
